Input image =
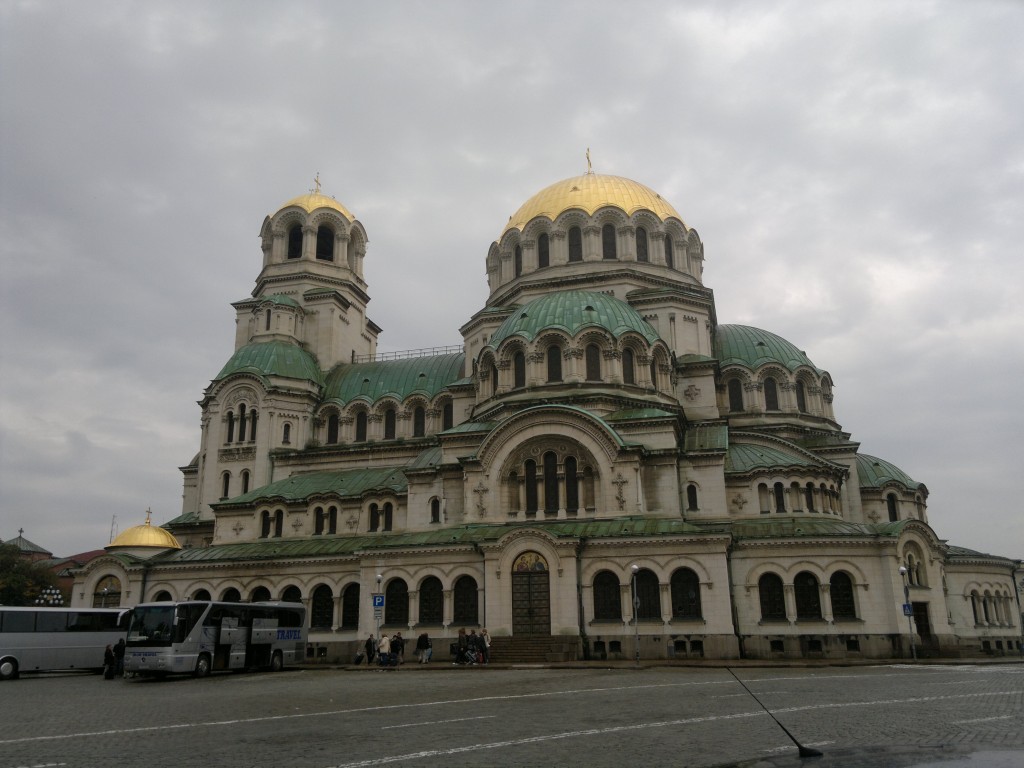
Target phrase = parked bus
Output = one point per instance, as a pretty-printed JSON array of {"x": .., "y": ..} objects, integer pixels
[
  {"x": 43, "y": 639},
  {"x": 197, "y": 637}
]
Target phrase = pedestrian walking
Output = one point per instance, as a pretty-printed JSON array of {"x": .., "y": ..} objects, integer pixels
[
  {"x": 108, "y": 663},
  {"x": 398, "y": 648},
  {"x": 485, "y": 645},
  {"x": 384, "y": 650},
  {"x": 119, "y": 658}
]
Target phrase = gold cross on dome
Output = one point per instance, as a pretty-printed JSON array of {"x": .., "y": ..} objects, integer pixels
[
  {"x": 590, "y": 168},
  {"x": 316, "y": 181}
]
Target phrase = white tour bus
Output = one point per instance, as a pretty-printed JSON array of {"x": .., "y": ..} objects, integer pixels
[
  {"x": 197, "y": 637},
  {"x": 42, "y": 639}
]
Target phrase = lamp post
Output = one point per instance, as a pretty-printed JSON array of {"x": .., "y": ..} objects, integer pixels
[
  {"x": 907, "y": 609},
  {"x": 378, "y": 611},
  {"x": 636, "y": 613}
]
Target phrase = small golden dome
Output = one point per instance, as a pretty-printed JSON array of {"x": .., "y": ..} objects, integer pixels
[
  {"x": 588, "y": 193},
  {"x": 146, "y": 535},
  {"x": 310, "y": 201}
]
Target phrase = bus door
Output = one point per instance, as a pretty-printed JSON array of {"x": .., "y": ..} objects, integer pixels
[
  {"x": 229, "y": 650},
  {"x": 261, "y": 642}
]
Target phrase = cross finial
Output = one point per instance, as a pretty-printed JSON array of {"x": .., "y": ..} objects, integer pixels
[
  {"x": 590, "y": 168},
  {"x": 148, "y": 514},
  {"x": 316, "y": 181},
  {"x": 21, "y": 531}
]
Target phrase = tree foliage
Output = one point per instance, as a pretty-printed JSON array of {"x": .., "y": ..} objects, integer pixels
[{"x": 21, "y": 581}]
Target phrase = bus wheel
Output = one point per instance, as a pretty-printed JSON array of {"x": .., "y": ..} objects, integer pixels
[
  {"x": 276, "y": 662},
  {"x": 8, "y": 669},
  {"x": 202, "y": 666}
]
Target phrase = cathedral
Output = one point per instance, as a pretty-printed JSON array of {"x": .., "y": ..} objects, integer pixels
[{"x": 600, "y": 470}]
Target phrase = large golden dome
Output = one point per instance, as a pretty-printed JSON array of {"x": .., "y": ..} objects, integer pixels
[
  {"x": 310, "y": 201},
  {"x": 146, "y": 535},
  {"x": 588, "y": 193}
]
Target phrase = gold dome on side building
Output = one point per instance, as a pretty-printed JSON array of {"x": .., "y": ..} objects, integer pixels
[
  {"x": 588, "y": 193},
  {"x": 145, "y": 536}
]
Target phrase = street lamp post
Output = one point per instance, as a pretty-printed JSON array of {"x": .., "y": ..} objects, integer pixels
[
  {"x": 908, "y": 611},
  {"x": 378, "y": 611},
  {"x": 636, "y": 613}
]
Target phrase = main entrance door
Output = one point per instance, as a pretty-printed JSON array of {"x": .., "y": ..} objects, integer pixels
[{"x": 531, "y": 595}]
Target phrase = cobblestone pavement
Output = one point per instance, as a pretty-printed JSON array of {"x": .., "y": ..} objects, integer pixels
[{"x": 893, "y": 715}]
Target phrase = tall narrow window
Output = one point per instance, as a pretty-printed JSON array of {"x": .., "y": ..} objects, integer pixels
[
  {"x": 691, "y": 497},
  {"x": 809, "y": 491},
  {"x": 780, "y": 497},
  {"x": 435, "y": 510},
  {"x": 332, "y": 520},
  {"x": 332, "y": 429},
  {"x": 801, "y": 397},
  {"x": 286, "y": 434},
  {"x": 607, "y": 597},
  {"x": 543, "y": 251},
  {"x": 265, "y": 525},
  {"x": 431, "y": 601},
  {"x": 448, "y": 415},
  {"x": 396, "y": 604},
  {"x": 593, "y": 362},
  {"x": 773, "y": 601},
  {"x": 268, "y": 321},
  {"x": 225, "y": 485},
  {"x": 389, "y": 424},
  {"x": 554, "y": 363},
  {"x": 531, "y": 486},
  {"x": 670, "y": 259},
  {"x": 518, "y": 370},
  {"x": 241, "y": 423},
  {"x": 628, "y": 367},
  {"x": 231, "y": 427},
  {"x": 245, "y": 481},
  {"x": 325, "y": 243},
  {"x": 641, "y": 245},
  {"x": 419, "y": 422},
  {"x": 350, "y": 607},
  {"x": 466, "y": 601},
  {"x": 492, "y": 374},
  {"x": 685, "y": 594},
  {"x": 654, "y": 373},
  {"x": 550, "y": 482},
  {"x": 771, "y": 395},
  {"x": 388, "y": 515},
  {"x": 253, "y": 413},
  {"x": 575, "y": 244},
  {"x": 318, "y": 524},
  {"x": 841, "y": 590},
  {"x": 278, "y": 523},
  {"x": 808, "y": 596},
  {"x": 295, "y": 242},
  {"x": 572, "y": 488},
  {"x": 648, "y": 594},
  {"x": 361, "y": 427},
  {"x": 374, "y": 518},
  {"x": 735, "y": 396},
  {"x": 608, "y": 245},
  {"x": 890, "y": 504},
  {"x": 518, "y": 261}
]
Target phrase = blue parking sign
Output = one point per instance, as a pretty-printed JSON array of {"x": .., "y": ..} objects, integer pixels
[{"x": 378, "y": 601}]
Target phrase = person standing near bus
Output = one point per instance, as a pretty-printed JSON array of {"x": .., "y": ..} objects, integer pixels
[
  {"x": 423, "y": 649},
  {"x": 398, "y": 648},
  {"x": 119, "y": 658},
  {"x": 384, "y": 650},
  {"x": 108, "y": 663},
  {"x": 485, "y": 645}
]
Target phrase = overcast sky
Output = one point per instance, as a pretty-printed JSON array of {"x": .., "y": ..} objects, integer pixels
[{"x": 855, "y": 171}]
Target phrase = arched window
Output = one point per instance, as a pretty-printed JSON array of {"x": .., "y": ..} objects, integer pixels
[
  {"x": 648, "y": 594},
  {"x": 780, "y": 497},
  {"x": 350, "y": 607},
  {"x": 332, "y": 520},
  {"x": 641, "y": 244},
  {"x": 518, "y": 261},
  {"x": 231, "y": 427},
  {"x": 654, "y": 373},
  {"x": 231, "y": 595},
  {"x": 241, "y": 423},
  {"x": 332, "y": 429},
  {"x": 325, "y": 243},
  {"x": 419, "y": 422},
  {"x": 608, "y": 249},
  {"x": 374, "y": 518},
  {"x": 691, "y": 498},
  {"x": 575, "y": 244},
  {"x": 607, "y": 597},
  {"x": 531, "y": 486},
  {"x": 265, "y": 525},
  {"x": 291, "y": 594},
  {"x": 107, "y": 593},
  {"x": 572, "y": 488},
  {"x": 318, "y": 521},
  {"x": 286, "y": 434},
  {"x": 841, "y": 590},
  {"x": 225, "y": 485},
  {"x": 554, "y": 354},
  {"x": 801, "y": 397},
  {"x": 321, "y": 609},
  {"x": 808, "y": 596},
  {"x": 448, "y": 415},
  {"x": 593, "y": 356},
  {"x": 735, "y": 387},
  {"x": 628, "y": 367},
  {"x": 267, "y": 326},
  {"x": 396, "y": 603},
  {"x": 259, "y": 595},
  {"x": 278, "y": 523},
  {"x": 389, "y": 424},
  {"x": 388, "y": 515},
  {"x": 492, "y": 375},
  {"x": 466, "y": 603},
  {"x": 518, "y": 370},
  {"x": 669, "y": 254},
  {"x": 771, "y": 395},
  {"x": 685, "y": 594},
  {"x": 975, "y": 600},
  {"x": 201, "y": 594},
  {"x": 773, "y": 601},
  {"x": 890, "y": 505},
  {"x": 361, "y": 427},
  {"x": 543, "y": 251},
  {"x": 295, "y": 242},
  {"x": 435, "y": 510},
  {"x": 431, "y": 601},
  {"x": 550, "y": 482},
  {"x": 163, "y": 596}
]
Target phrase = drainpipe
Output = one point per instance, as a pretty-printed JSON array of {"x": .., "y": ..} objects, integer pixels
[
  {"x": 483, "y": 570},
  {"x": 579, "y": 598},
  {"x": 732, "y": 600}
]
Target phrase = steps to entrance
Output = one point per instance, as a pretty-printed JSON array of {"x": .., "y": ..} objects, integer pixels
[{"x": 536, "y": 649}]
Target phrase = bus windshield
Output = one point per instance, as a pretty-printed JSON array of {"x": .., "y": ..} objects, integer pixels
[{"x": 151, "y": 625}]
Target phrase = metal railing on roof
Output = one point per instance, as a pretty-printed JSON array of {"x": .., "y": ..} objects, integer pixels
[{"x": 408, "y": 354}]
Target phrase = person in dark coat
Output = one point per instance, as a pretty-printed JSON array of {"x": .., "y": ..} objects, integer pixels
[
  {"x": 119, "y": 658},
  {"x": 398, "y": 648},
  {"x": 108, "y": 663},
  {"x": 424, "y": 648},
  {"x": 371, "y": 650}
]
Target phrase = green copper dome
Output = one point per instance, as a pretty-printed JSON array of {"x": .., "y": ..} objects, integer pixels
[
  {"x": 752, "y": 347},
  {"x": 426, "y": 376},
  {"x": 875, "y": 472},
  {"x": 571, "y": 312},
  {"x": 273, "y": 358}
]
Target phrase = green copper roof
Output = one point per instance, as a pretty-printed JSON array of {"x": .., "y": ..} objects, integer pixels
[
  {"x": 752, "y": 347},
  {"x": 632, "y": 414},
  {"x": 349, "y": 482},
  {"x": 706, "y": 437},
  {"x": 806, "y": 527},
  {"x": 572, "y": 311},
  {"x": 398, "y": 378},
  {"x": 745, "y": 457},
  {"x": 281, "y": 299},
  {"x": 874, "y": 473},
  {"x": 273, "y": 358}
]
